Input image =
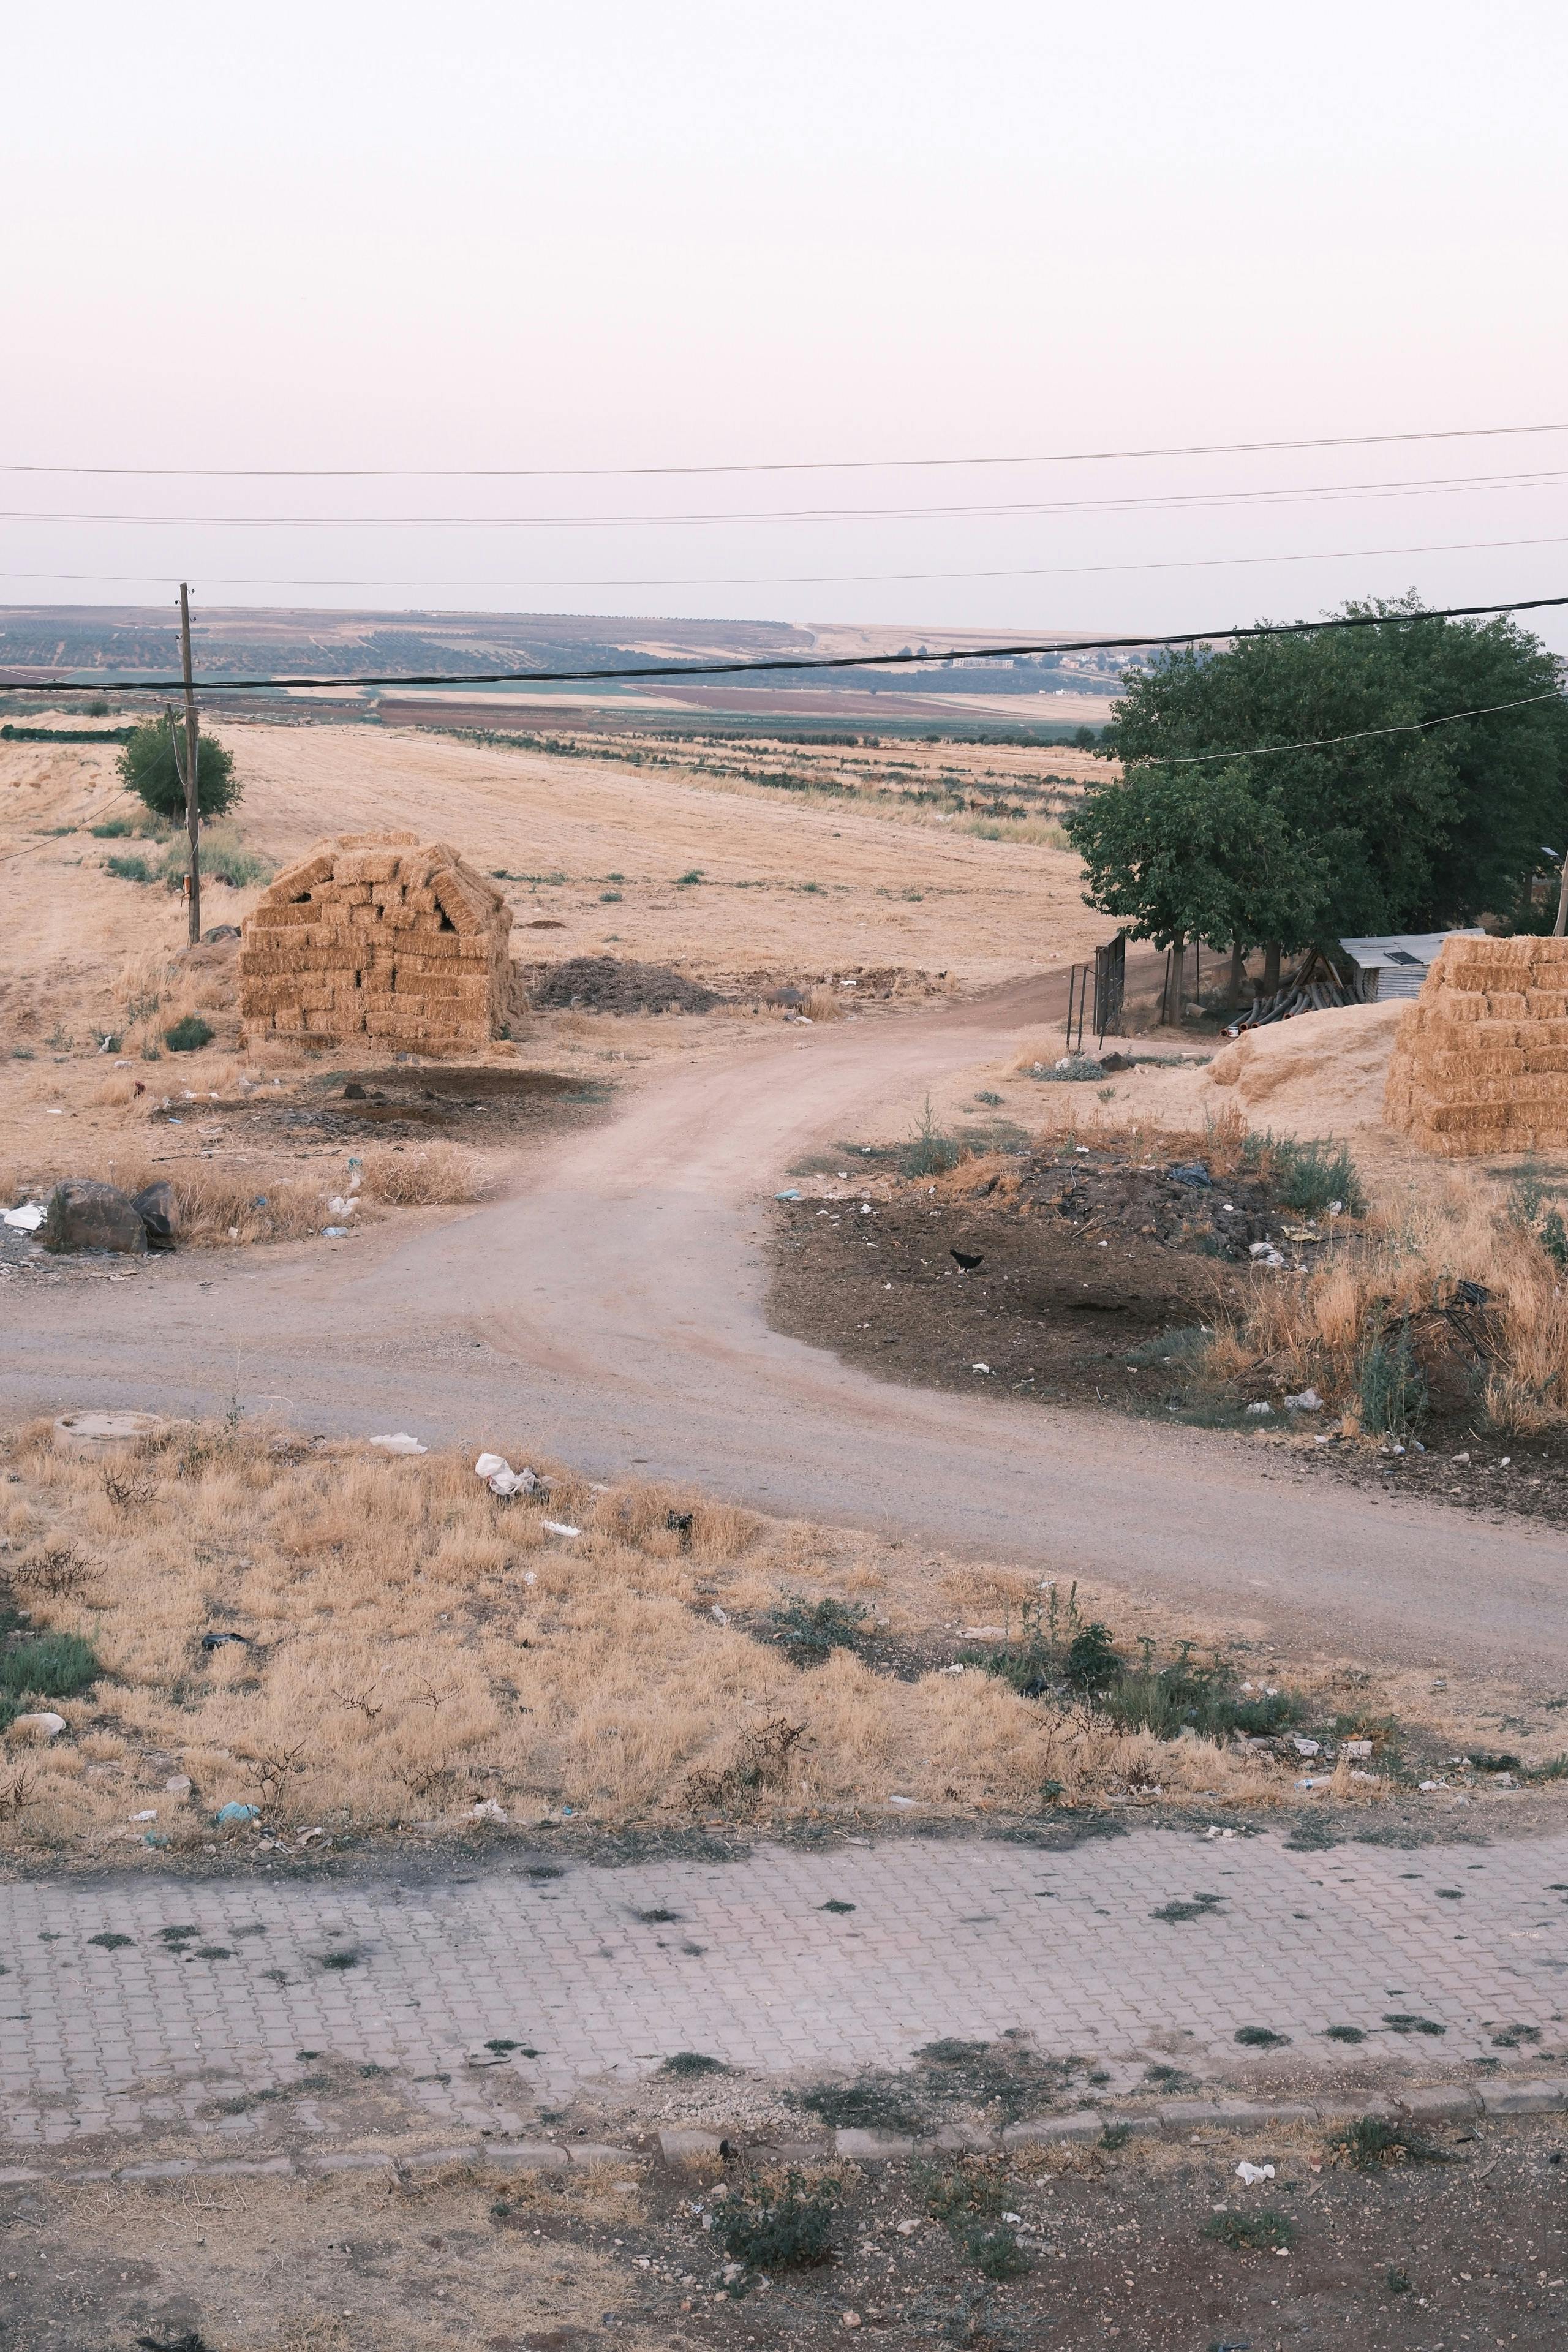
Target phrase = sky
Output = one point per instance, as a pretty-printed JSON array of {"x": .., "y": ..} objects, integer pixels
[{"x": 690, "y": 234}]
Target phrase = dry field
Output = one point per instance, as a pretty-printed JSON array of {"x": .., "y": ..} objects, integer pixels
[
  {"x": 404, "y": 1647},
  {"x": 594, "y": 853}
]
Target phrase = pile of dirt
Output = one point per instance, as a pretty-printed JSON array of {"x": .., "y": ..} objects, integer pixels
[
  {"x": 609, "y": 984},
  {"x": 1180, "y": 1205}
]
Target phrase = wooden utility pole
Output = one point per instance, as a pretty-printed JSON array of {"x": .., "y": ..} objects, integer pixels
[{"x": 192, "y": 810}]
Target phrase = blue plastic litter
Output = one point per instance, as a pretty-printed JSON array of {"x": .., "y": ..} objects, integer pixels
[
  {"x": 786, "y": 1196},
  {"x": 233, "y": 1812},
  {"x": 1192, "y": 1172}
]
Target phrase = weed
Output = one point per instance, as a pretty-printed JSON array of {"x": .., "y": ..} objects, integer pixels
[
  {"x": 1377, "y": 2140},
  {"x": 869, "y": 2105},
  {"x": 692, "y": 2062},
  {"x": 348, "y": 1957},
  {"x": 1093, "y": 1665},
  {"x": 833, "y": 1904},
  {"x": 993, "y": 2250},
  {"x": 790, "y": 2231},
  {"x": 1392, "y": 1390},
  {"x": 1397, "y": 2281},
  {"x": 810, "y": 1631},
  {"x": 1510, "y": 2036},
  {"x": 657, "y": 1918},
  {"x": 438, "y": 1175},
  {"x": 929, "y": 1152},
  {"x": 1343, "y": 2034},
  {"x": 189, "y": 1036},
  {"x": 117, "y": 828},
  {"x": 1261, "y": 2037},
  {"x": 958, "y": 2196},
  {"x": 1402, "y": 2020},
  {"x": 110, "y": 1942},
  {"x": 1201, "y": 1906},
  {"x": 1263, "y": 2232},
  {"x": 1115, "y": 2136},
  {"x": 175, "y": 1936},
  {"x": 128, "y": 869},
  {"x": 685, "y": 881},
  {"x": 1311, "y": 1177},
  {"x": 54, "y": 1665},
  {"x": 1168, "y": 2078}
]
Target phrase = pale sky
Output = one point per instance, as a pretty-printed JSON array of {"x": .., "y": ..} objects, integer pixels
[{"x": 683, "y": 234}]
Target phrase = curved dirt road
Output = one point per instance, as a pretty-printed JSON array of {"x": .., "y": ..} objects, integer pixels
[{"x": 612, "y": 1313}]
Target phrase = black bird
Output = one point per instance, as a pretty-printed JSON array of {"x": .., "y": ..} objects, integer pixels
[{"x": 968, "y": 1259}]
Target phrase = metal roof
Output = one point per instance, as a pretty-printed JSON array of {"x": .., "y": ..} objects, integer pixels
[{"x": 1401, "y": 959}]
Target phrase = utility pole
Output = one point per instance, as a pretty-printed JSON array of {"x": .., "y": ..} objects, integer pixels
[{"x": 192, "y": 810}]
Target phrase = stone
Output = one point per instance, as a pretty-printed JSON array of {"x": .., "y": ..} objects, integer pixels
[
  {"x": 1083, "y": 2125},
  {"x": 529, "y": 2156},
  {"x": 44, "y": 1725},
  {"x": 870, "y": 2146},
  {"x": 155, "y": 1205},
  {"x": 1450, "y": 2103},
  {"x": 689, "y": 2146},
  {"x": 1525, "y": 2098},
  {"x": 84, "y": 1216},
  {"x": 101, "y": 1435}
]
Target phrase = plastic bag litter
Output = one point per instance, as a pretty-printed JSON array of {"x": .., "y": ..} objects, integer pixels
[
  {"x": 554, "y": 1528},
  {"x": 334, "y": 1233},
  {"x": 486, "y": 1810},
  {"x": 27, "y": 1218},
  {"x": 399, "y": 1443},
  {"x": 1308, "y": 1402},
  {"x": 502, "y": 1479},
  {"x": 338, "y": 1206},
  {"x": 1250, "y": 2175},
  {"x": 235, "y": 1811}
]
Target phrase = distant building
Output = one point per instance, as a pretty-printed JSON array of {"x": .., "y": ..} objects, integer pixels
[{"x": 1396, "y": 963}]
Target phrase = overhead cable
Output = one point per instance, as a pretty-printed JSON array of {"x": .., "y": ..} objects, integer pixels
[
  {"x": 766, "y": 464},
  {"x": 649, "y": 673}
]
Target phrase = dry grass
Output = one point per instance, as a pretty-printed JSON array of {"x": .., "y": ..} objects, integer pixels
[
  {"x": 825, "y": 1005},
  {"x": 434, "y": 1175},
  {"x": 412, "y": 1646}
]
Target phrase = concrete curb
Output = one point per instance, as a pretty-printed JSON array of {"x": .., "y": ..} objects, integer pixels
[{"x": 1170, "y": 2119}]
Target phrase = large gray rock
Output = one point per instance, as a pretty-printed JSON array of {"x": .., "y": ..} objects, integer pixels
[
  {"x": 92, "y": 1217},
  {"x": 155, "y": 1204}
]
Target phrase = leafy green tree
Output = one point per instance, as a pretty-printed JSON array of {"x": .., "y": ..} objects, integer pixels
[
  {"x": 148, "y": 765},
  {"x": 1404, "y": 831}
]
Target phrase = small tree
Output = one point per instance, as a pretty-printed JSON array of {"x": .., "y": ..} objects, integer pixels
[{"x": 148, "y": 765}]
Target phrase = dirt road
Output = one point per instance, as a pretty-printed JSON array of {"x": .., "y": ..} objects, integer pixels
[{"x": 610, "y": 1312}]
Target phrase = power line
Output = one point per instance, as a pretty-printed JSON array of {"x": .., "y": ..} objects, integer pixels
[
  {"x": 1322, "y": 742},
  {"x": 824, "y": 579},
  {"x": 650, "y": 672},
  {"x": 764, "y": 465},
  {"x": 1306, "y": 495}
]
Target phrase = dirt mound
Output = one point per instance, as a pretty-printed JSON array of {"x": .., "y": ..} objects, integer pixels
[{"x": 606, "y": 984}]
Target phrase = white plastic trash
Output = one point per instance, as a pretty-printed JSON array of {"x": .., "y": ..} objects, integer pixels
[
  {"x": 400, "y": 1444},
  {"x": 27, "y": 1218},
  {"x": 1250, "y": 2175},
  {"x": 502, "y": 1479},
  {"x": 554, "y": 1528},
  {"x": 1308, "y": 1402}
]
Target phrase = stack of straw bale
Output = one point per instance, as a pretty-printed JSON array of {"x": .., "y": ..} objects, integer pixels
[
  {"x": 1481, "y": 1060},
  {"x": 378, "y": 936}
]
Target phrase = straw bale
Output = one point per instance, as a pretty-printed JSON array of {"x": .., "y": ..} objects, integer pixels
[
  {"x": 296, "y": 880},
  {"x": 1546, "y": 1057},
  {"x": 365, "y": 865},
  {"x": 1546, "y": 1004},
  {"x": 1459, "y": 1004},
  {"x": 1506, "y": 1005}
]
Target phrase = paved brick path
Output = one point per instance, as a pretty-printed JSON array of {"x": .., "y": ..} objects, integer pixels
[{"x": 966, "y": 1940}]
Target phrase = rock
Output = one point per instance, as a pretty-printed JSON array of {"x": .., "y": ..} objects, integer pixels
[
  {"x": 43, "y": 1726},
  {"x": 83, "y": 1216},
  {"x": 101, "y": 1435},
  {"x": 353, "y": 1091},
  {"x": 178, "y": 1785},
  {"x": 220, "y": 931},
  {"x": 1113, "y": 1063},
  {"x": 155, "y": 1204}
]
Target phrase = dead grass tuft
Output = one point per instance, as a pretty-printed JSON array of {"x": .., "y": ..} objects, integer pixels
[
  {"x": 435, "y": 1175},
  {"x": 824, "y": 1004}
]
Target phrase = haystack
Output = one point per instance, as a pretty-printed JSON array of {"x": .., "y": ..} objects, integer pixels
[
  {"x": 383, "y": 937},
  {"x": 1480, "y": 1062}
]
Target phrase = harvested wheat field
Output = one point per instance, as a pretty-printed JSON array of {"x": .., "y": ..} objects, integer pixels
[{"x": 362, "y": 1643}]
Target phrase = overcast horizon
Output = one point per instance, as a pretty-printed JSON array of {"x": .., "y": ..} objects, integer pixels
[{"x": 685, "y": 238}]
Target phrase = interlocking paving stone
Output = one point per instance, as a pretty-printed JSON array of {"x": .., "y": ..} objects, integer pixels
[{"x": 948, "y": 1940}]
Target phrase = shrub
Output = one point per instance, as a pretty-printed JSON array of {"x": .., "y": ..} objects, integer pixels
[
  {"x": 789, "y": 2232},
  {"x": 225, "y": 858},
  {"x": 148, "y": 765},
  {"x": 811, "y": 1632},
  {"x": 993, "y": 2250},
  {"x": 54, "y": 1665},
  {"x": 1393, "y": 1390},
  {"x": 188, "y": 1035},
  {"x": 1310, "y": 1176},
  {"x": 929, "y": 1152},
  {"x": 692, "y": 2062},
  {"x": 128, "y": 869}
]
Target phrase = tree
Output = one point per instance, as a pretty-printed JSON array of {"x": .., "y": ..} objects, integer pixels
[
  {"x": 148, "y": 765},
  {"x": 1411, "y": 830},
  {"x": 1180, "y": 853}
]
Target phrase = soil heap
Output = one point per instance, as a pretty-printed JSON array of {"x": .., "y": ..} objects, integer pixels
[
  {"x": 1481, "y": 1060},
  {"x": 378, "y": 935}
]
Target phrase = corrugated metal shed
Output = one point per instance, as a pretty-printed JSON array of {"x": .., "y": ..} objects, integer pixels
[{"x": 1397, "y": 963}]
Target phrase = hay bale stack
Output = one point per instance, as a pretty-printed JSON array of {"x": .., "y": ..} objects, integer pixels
[
  {"x": 382, "y": 937},
  {"x": 1481, "y": 1060}
]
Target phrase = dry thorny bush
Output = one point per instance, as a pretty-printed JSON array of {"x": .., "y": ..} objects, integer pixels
[{"x": 411, "y": 1644}]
